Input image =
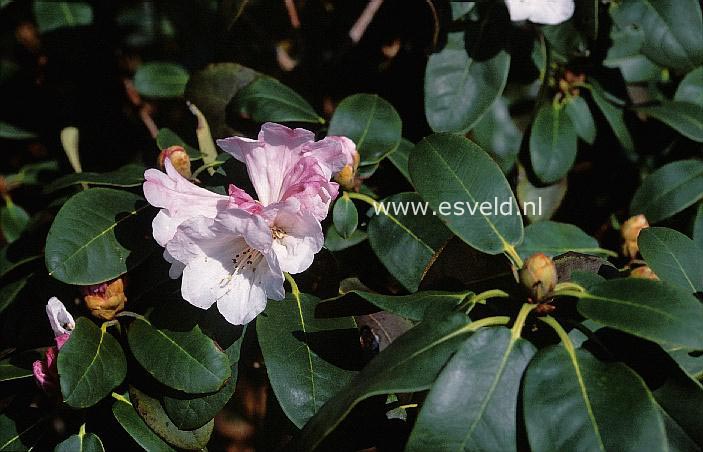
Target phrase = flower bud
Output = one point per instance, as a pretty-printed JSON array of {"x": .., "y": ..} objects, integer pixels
[
  {"x": 643, "y": 272},
  {"x": 105, "y": 300},
  {"x": 345, "y": 177},
  {"x": 630, "y": 230},
  {"x": 539, "y": 276},
  {"x": 179, "y": 158}
]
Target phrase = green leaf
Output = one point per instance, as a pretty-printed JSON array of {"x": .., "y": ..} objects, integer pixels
[
  {"x": 684, "y": 117},
  {"x": 166, "y": 138},
  {"x": 674, "y": 257},
  {"x": 295, "y": 348},
  {"x": 371, "y": 122},
  {"x": 155, "y": 417},
  {"x": 625, "y": 54},
  {"x": 13, "y": 220},
  {"x": 613, "y": 114},
  {"x": 267, "y": 99},
  {"x": 649, "y": 309},
  {"x": 91, "y": 364},
  {"x": 698, "y": 227},
  {"x": 400, "y": 156},
  {"x": 411, "y": 306},
  {"x": 87, "y": 442},
  {"x": 11, "y": 371},
  {"x": 98, "y": 235},
  {"x": 15, "y": 133},
  {"x": 334, "y": 242},
  {"x": 449, "y": 171},
  {"x": 691, "y": 88},
  {"x": 552, "y": 238},
  {"x": 406, "y": 243},
  {"x": 181, "y": 358},
  {"x": 160, "y": 79},
  {"x": 669, "y": 190},
  {"x": 498, "y": 133},
  {"x": 51, "y": 15},
  {"x": 573, "y": 401},
  {"x": 459, "y": 89},
  {"x": 20, "y": 429},
  {"x": 552, "y": 143},
  {"x": 130, "y": 175},
  {"x": 671, "y": 38},
  {"x": 345, "y": 216},
  {"x": 410, "y": 363},
  {"x": 212, "y": 88},
  {"x": 539, "y": 203},
  {"x": 129, "y": 419},
  {"x": 580, "y": 115},
  {"x": 473, "y": 403}
]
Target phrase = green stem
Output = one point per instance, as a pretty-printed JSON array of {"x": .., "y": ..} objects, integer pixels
[
  {"x": 362, "y": 197},
  {"x": 512, "y": 254},
  {"x": 488, "y": 321},
  {"x": 569, "y": 293},
  {"x": 121, "y": 398},
  {"x": 569, "y": 286},
  {"x": 483, "y": 296},
  {"x": 561, "y": 332},
  {"x": 293, "y": 285},
  {"x": 520, "y": 320},
  {"x": 131, "y": 314}
]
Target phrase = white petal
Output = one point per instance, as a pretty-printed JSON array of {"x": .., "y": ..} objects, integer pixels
[
  {"x": 253, "y": 228},
  {"x": 60, "y": 319},
  {"x": 302, "y": 240},
  {"x": 519, "y": 9},
  {"x": 549, "y": 12}
]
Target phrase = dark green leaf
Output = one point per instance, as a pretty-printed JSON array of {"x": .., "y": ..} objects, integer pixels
[
  {"x": 498, "y": 134},
  {"x": 167, "y": 138},
  {"x": 130, "y": 175},
  {"x": 160, "y": 79},
  {"x": 51, "y": 15},
  {"x": 90, "y": 364},
  {"x": 671, "y": 38},
  {"x": 674, "y": 257},
  {"x": 613, "y": 114},
  {"x": 669, "y": 190},
  {"x": 87, "y": 442},
  {"x": 473, "y": 403},
  {"x": 698, "y": 227},
  {"x": 183, "y": 359},
  {"x": 155, "y": 417},
  {"x": 345, "y": 216},
  {"x": 649, "y": 309},
  {"x": 684, "y": 117},
  {"x": 580, "y": 114},
  {"x": 459, "y": 89},
  {"x": 406, "y": 243},
  {"x": 334, "y": 242},
  {"x": 98, "y": 235},
  {"x": 573, "y": 401},
  {"x": 13, "y": 220},
  {"x": 20, "y": 428},
  {"x": 296, "y": 351},
  {"x": 15, "y": 133},
  {"x": 371, "y": 122},
  {"x": 399, "y": 158},
  {"x": 552, "y": 143},
  {"x": 129, "y": 419},
  {"x": 552, "y": 238},
  {"x": 625, "y": 54},
  {"x": 691, "y": 88},
  {"x": 410, "y": 363},
  {"x": 539, "y": 203},
  {"x": 267, "y": 99},
  {"x": 451, "y": 172},
  {"x": 11, "y": 371}
]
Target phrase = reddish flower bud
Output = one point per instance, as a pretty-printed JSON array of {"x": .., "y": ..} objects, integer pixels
[
  {"x": 346, "y": 176},
  {"x": 179, "y": 159},
  {"x": 539, "y": 276},
  {"x": 105, "y": 300}
]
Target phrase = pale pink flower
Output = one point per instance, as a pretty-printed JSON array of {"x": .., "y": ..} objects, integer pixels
[
  {"x": 62, "y": 323},
  {"x": 549, "y": 12}
]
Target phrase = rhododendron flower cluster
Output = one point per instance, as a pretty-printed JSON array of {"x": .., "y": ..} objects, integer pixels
[
  {"x": 232, "y": 250},
  {"x": 62, "y": 323}
]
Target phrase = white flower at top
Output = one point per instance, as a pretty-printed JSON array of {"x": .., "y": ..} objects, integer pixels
[{"x": 548, "y": 12}]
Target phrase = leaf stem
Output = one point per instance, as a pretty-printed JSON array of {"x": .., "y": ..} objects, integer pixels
[
  {"x": 521, "y": 318},
  {"x": 488, "y": 321},
  {"x": 512, "y": 254},
  {"x": 561, "y": 332},
  {"x": 293, "y": 285},
  {"x": 569, "y": 286},
  {"x": 482, "y": 297},
  {"x": 362, "y": 197}
]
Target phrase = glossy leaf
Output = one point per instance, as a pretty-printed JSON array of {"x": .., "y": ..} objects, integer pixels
[
  {"x": 130, "y": 175},
  {"x": 473, "y": 403},
  {"x": 267, "y": 99},
  {"x": 448, "y": 171},
  {"x": 153, "y": 414},
  {"x": 691, "y": 88},
  {"x": 459, "y": 89},
  {"x": 20, "y": 429},
  {"x": 498, "y": 134},
  {"x": 669, "y": 190},
  {"x": 345, "y": 216},
  {"x": 552, "y": 143},
  {"x": 613, "y": 112},
  {"x": 13, "y": 220},
  {"x": 11, "y": 371},
  {"x": 160, "y": 79},
  {"x": 334, "y": 242},
  {"x": 371, "y": 122},
  {"x": 674, "y": 257},
  {"x": 51, "y": 15},
  {"x": 552, "y": 238},
  {"x": 129, "y": 419},
  {"x": 671, "y": 39},
  {"x": 86, "y": 442},
  {"x": 573, "y": 401},
  {"x": 649, "y": 309},
  {"x": 183, "y": 359},
  {"x": 625, "y": 54},
  {"x": 400, "y": 156},
  {"x": 406, "y": 243},
  {"x": 296, "y": 350},
  {"x": 91, "y": 364},
  {"x": 684, "y": 117},
  {"x": 410, "y": 363},
  {"x": 580, "y": 115},
  {"x": 98, "y": 235}
]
